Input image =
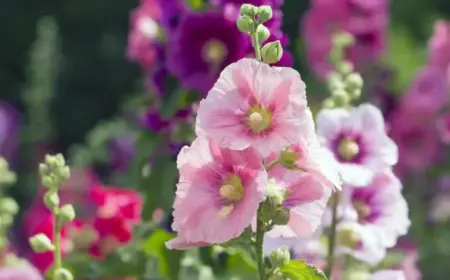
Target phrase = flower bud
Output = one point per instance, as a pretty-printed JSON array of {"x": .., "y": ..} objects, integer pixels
[
  {"x": 63, "y": 173},
  {"x": 345, "y": 68},
  {"x": 43, "y": 169},
  {"x": 263, "y": 33},
  {"x": 51, "y": 199},
  {"x": 264, "y": 13},
  {"x": 328, "y": 103},
  {"x": 6, "y": 220},
  {"x": 340, "y": 97},
  {"x": 288, "y": 158},
  {"x": 245, "y": 24},
  {"x": 51, "y": 161},
  {"x": 9, "y": 206},
  {"x": 334, "y": 81},
  {"x": 355, "y": 94},
  {"x": 40, "y": 243},
  {"x": 272, "y": 52},
  {"x": 62, "y": 274},
  {"x": 354, "y": 81},
  {"x": 343, "y": 40},
  {"x": 281, "y": 216},
  {"x": 60, "y": 160},
  {"x": 280, "y": 257},
  {"x": 248, "y": 10},
  {"x": 48, "y": 182},
  {"x": 357, "y": 275},
  {"x": 66, "y": 213},
  {"x": 277, "y": 276}
]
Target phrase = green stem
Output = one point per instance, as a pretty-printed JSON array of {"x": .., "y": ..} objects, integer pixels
[
  {"x": 57, "y": 242},
  {"x": 256, "y": 45},
  {"x": 271, "y": 165},
  {"x": 259, "y": 246},
  {"x": 332, "y": 236}
]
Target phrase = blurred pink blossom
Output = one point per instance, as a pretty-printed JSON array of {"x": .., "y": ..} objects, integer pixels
[
  {"x": 22, "y": 272},
  {"x": 439, "y": 47}
]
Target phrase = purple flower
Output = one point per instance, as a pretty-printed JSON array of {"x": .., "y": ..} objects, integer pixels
[
  {"x": 201, "y": 47},
  {"x": 9, "y": 130},
  {"x": 155, "y": 122},
  {"x": 122, "y": 152},
  {"x": 358, "y": 140},
  {"x": 171, "y": 13}
]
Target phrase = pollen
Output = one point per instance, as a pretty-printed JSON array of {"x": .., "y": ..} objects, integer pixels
[
  {"x": 214, "y": 51},
  {"x": 258, "y": 119},
  {"x": 348, "y": 149},
  {"x": 226, "y": 211}
]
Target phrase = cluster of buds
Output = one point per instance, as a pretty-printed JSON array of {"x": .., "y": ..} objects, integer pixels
[
  {"x": 8, "y": 206},
  {"x": 344, "y": 83},
  {"x": 279, "y": 258},
  {"x": 54, "y": 172},
  {"x": 250, "y": 21}
]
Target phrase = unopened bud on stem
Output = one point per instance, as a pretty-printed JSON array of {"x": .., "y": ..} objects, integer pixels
[{"x": 272, "y": 52}]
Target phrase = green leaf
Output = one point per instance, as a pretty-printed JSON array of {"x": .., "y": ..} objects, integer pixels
[
  {"x": 300, "y": 270},
  {"x": 168, "y": 260},
  {"x": 240, "y": 264}
]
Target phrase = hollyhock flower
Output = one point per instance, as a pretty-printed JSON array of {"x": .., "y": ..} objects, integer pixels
[
  {"x": 203, "y": 44},
  {"x": 409, "y": 263},
  {"x": 388, "y": 275},
  {"x": 155, "y": 122},
  {"x": 438, "y": 47},
  {"x": 358, "y": 141},
  {"x": 306, "y": 200},
  {"x": 218, "y": 193},
  {"x": 381, "y": 205},
  {"x": 22, "y": 272},
  {"x": 122, "y": 151},
  {"x": 417, "y": 138},
  {"x": 361, "y": 242},
  {"x": 443, "y": 126},
  {"x": 9, "y": 129},
  {"x": 365, "y": 20},
  {"x": 255, "y": 105},
  {"x": 144, "y": 31},
  {"x": 171, "y": 13}
]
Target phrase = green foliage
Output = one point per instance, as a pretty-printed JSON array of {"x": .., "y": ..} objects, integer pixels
[
  {"x": 168, "y": 260},
  {"x": 300, "y": 270}
]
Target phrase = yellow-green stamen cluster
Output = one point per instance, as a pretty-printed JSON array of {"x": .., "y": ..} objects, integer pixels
[
  {"x": 231, "y": 192},
  {"x": 258, "y": 119},
  {"x": 348, "y": 149}
]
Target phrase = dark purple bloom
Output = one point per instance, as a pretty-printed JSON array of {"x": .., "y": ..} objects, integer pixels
[
  {"x": 203, "y": 44},
  {"x": 121, "y": 152},
  {"x": 9, "y": 131},
  {"x": 155, "y": 122},
  {"x": 171, "y": 13}
]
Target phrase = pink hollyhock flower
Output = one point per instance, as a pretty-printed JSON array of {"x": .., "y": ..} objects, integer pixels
[
  {"x": 409, "y": 264},
  {"x": 254, "y": 105},
  {"x": 388, "y": 275},
  {"x": 358, "y": 141},
  {"x": 306, "y": 199},
  {"x": 365, "y": 20},
  {"x": 21, "y": 272},
  {"x": 381, "y": 205},
  {"x": 443, "y": 126},
  {"x": 417, "y": 138},
  {"x": 144, "y": 31},
  {"x": 439, "y": 46},
  {"x": 218, "y": 193}
]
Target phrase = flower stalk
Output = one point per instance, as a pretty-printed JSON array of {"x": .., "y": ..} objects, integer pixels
[
  {"x": 332, "y": 235},
  {"x": 259, "y": 246}
]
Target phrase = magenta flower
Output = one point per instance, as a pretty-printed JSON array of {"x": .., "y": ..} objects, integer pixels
[
  {"x": 358, "y": 141},
  {"x": 201, "y": 46},
  {"x": 365, "y": 20},
  {"x": 443, "y": 126},
  {"x": 9, "y": 131},
  {"x": 381, "y": 205},
  {"x": 144, "y": 31},
  {"x": 255, "y": 105},
  {"x": 218, "y": 193}
]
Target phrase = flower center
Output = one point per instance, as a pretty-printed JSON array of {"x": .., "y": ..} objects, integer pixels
[
  {"x": 214, "y": 51},
  {"x": 348, "y": 238},
  {"x": 232, "y": 190},
  {"x": 362, "y": 209},
  {"x": 348, "y": 149},
  {"x": 148, "y": 27},
  {"x": 258, "y": 119}
]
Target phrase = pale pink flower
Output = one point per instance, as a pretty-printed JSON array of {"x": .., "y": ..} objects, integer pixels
[
  {"x": 388, "y": 275},
  {"x": 439, "y": 47},
  {"x": 380, "y": 205},
  {"x": 22, "y": 272},
  {"x": 254, "y": 105},
  {"x": 358, "y": 141},
  {"x": 306, "y": 199},
  {"x": 218, "y": 193},
  {"x": 361, "y": 242}
]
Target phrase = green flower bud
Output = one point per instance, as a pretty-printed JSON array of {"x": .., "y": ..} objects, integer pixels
[
  {"x": 277, "y": 276},
  {"x": 6, "y": 220},
  {"x": 280, "y": 257},
  {"x": 281, "y": 216},
  {"x": 248, "y": 10},
  {"x": 60, "y": 161},
  {"x": 9, "y": 206},
  {"x": 357, "y": 275},
  {"x": 288, "y": 158},
  {"x": 63, "y": 173},
  {"x": 263, "y": 33},
  {"x": 355, "y": 94},
  {"x": 43, "y": 169},
  {"x": 51, "y": 161},
  {"x": 62, "y": 274},
  {"x": 40, "y": 243},
  {"x": 335, "y": 81},
  {"x": 245, "y": 24},
  {"x": 48, "y": 182},
  {"x": 340, "y": 97},
  {"x": 66, "y": 213},
  {"x": 354, "y": 81},
  {"x": 328, "y": 103},
  {"x": 272, "y": 52},
  {"x": 264, "y": 13},
  {"x": 345, "y": 68},
  {"x": 343, "y": 40},
  {"x": 51, "y": 199}
]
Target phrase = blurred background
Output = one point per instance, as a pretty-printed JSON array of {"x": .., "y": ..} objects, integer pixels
[{"x": 66, "y": 85}]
